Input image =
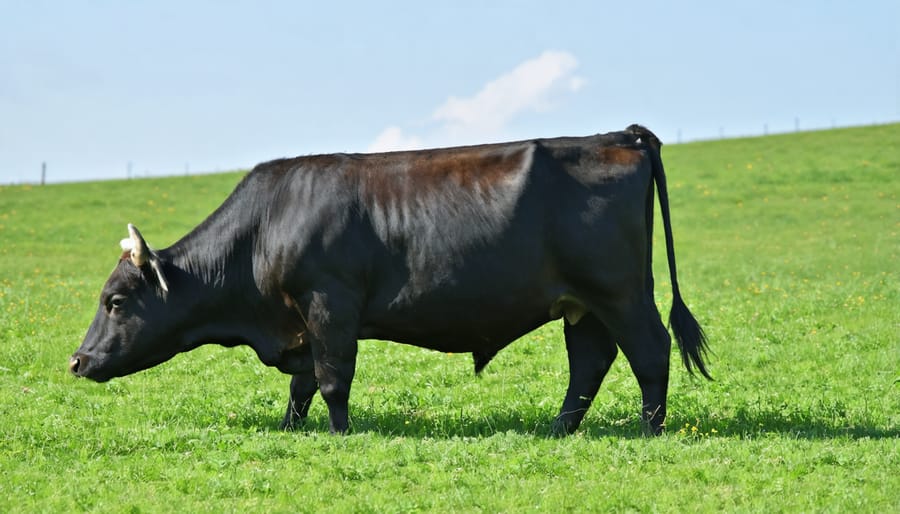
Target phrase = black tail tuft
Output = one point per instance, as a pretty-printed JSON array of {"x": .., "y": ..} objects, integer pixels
[{"x": 689, "y": 336}]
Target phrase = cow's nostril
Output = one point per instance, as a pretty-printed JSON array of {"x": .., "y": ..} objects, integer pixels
[{"x": 74, "y": 364}]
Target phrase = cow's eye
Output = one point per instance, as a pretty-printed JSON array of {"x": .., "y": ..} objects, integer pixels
[{"x": 115, "y": 302}]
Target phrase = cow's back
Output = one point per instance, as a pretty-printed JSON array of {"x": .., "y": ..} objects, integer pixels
[{"x": 483, "y": 240}]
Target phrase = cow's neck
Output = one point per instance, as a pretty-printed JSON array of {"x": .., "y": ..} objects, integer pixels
[
  {"x": 213, "y": 282},
  {"x": 218, "y": 255},
  {"x": 219, "y": 251}
]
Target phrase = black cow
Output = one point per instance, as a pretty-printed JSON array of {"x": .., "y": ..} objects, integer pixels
[{"x": 458, "y": 249}]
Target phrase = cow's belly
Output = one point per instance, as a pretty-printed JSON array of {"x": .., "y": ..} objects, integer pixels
[{"x": 460, "y": 320}]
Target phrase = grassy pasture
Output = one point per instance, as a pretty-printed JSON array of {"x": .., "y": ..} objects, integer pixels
[{"x": 788, "y": 254}]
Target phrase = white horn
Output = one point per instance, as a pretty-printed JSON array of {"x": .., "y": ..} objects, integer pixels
[
  {"x": 136, "y": 248},
  {"x": 139, "y": 253}
]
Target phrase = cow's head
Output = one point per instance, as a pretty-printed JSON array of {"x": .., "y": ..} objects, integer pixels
[{"x": 128, "y": 334}]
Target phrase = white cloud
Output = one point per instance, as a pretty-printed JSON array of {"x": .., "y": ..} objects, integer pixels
[
  {"x": 532, "y": 86},
  {"x": 393, "y": 138},
  {"x": 528, "y": 87},
  {"x": 576, "y": 83}
]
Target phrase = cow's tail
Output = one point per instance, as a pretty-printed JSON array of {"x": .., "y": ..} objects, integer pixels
[{"x": 688, "y": 333}]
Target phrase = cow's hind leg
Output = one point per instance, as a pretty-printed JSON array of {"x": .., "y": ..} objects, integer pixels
[
  {"x": 646, "y": 344},
  {"x": 591, "y": 351},
  {"x": 303, "y": 388}
]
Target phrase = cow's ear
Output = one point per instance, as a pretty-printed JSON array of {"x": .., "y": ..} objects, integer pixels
[{"x": 157, "y": 268}]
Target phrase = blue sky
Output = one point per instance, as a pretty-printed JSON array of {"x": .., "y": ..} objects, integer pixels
[{"x": 174, "y": 86}]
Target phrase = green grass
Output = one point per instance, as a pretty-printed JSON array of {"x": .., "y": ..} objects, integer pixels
[{"x": 788, "y": 254}]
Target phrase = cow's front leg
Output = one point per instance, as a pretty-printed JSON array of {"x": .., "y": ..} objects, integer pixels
[
  {"x": 303, "y": 388},
  {"x": 335, "y": 375},
  {"x": 333, "y": 327}
]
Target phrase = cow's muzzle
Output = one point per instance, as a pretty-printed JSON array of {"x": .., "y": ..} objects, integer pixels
[{"x": 78, "y": 364}]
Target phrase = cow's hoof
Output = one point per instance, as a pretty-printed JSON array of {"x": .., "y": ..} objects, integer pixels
[
  {"x": 340, "y": 430},
  {"x": 289, "y": 425},
  {"x": 652, "y": 429},
  {"x": 562, "y": 427}
]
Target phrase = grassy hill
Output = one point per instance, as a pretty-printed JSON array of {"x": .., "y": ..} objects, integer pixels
[{"x": 788, "y": 254}]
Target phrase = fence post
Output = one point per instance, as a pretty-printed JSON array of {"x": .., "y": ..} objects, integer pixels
[{"x": 43, "y": 173}]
